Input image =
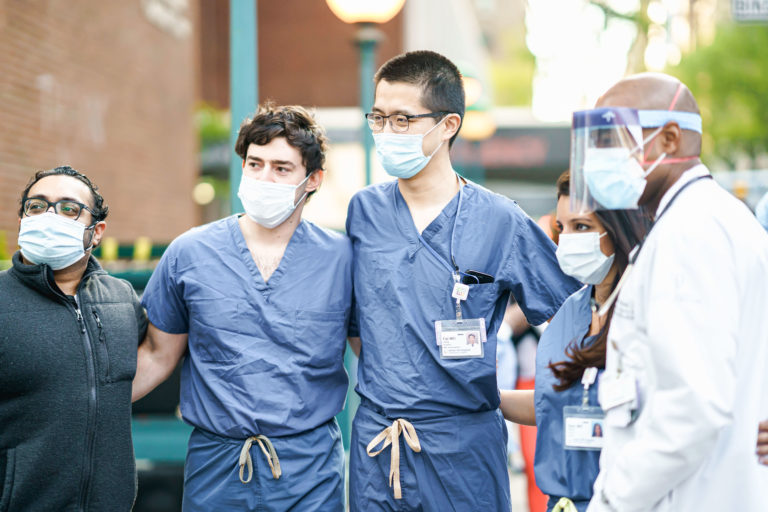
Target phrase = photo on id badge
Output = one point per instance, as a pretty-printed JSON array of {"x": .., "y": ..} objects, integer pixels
[
  {"x": 460, "y": 343},
  {"x": 583, "y": 428}
]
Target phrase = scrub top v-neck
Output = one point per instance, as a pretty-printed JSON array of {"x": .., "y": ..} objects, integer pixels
[
  {"x": 401, "y": 289},
  {"x": 264, "y": 357}
]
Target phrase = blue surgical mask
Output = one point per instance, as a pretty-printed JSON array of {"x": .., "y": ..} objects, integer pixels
[
  {"x": 615, "y": 178},
  {"x": 52, "y": 239},
  {"x": 400, "y": 153}
]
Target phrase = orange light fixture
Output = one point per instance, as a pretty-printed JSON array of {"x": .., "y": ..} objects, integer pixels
[
  {"x": 365, "y": 11},
  {"x": 477, "y": 125}
]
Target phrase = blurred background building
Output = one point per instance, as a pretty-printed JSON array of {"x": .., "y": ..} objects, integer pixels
[
  {"x": 136, "y": 93},
  {"x": 109, "y": 88}
]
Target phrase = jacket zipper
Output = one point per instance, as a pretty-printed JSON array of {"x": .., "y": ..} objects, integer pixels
[
  {"x": 102, "y": 340},
  {"x": 90, "y": 435}
]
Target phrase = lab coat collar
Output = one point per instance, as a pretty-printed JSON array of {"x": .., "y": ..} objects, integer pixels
[{"x": 689, "y": 175}]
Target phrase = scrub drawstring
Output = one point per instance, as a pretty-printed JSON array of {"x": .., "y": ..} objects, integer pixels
[
  {"x": 565, "y": 505},
  {"x": 269, "y": 453},
  {"x": 390, "y": 436}
]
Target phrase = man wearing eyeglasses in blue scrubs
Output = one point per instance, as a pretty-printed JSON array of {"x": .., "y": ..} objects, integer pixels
[{"x": 436, "y": 257}]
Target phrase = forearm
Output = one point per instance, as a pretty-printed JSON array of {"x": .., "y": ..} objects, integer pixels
[
  {"x": 152, "y": 368},
  {"x": 156, "y": 359},
  {"x": 517, "y": 406}
]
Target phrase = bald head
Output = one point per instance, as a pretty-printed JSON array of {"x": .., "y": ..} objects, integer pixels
[
  {"x": 649, "y": 91},
  {"x": 657, "y": 91},
  {"x": 678, "y": 147}
]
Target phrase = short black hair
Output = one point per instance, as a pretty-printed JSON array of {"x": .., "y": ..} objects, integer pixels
[
  {"x": 442, "y": 87},
  {"x": 100, "y": 208},
  {"x": 293, "y": 122}
]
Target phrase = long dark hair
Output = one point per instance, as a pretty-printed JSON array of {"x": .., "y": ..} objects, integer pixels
[{"x": 626, "y": 228}]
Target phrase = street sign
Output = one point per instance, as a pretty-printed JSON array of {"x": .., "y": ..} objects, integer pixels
[{"x": 750, "y": 10}]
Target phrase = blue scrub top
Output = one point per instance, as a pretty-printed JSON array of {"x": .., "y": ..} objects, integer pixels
[
  {"x": 401, "y": 289},
  {"x": 264, "y": 358},
  {"x": 560, "y": 472}
]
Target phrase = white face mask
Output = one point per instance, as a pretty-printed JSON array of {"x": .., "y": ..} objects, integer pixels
[
  {"x": 580, "y": 257},
  {"x": 267, "y": 203},
  {"x": 51, "y": 239}
]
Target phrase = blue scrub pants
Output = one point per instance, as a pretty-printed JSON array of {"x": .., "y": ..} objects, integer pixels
[
  {"x": 462, "y": 465},
  {"x": 313, "y": 473}
]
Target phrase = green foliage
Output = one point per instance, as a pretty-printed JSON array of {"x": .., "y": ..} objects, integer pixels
[
  {"x": 729, "y": 79},
  {"x": 212, "y": 125},
  {"x": 513, "y": 76}
]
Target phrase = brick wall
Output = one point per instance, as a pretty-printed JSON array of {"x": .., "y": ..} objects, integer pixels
[
  {"x": 108, "y": 88},
  {"x": 307, "y": 55}
]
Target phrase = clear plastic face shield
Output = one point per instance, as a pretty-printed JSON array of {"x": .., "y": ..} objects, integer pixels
[
  {"x": 606, "y": 150},
  {"x": 609, "y": 158}
]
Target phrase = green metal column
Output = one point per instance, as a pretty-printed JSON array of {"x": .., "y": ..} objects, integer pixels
[
  {"x": 367, "y": 38},
  {"x": 243, "y": 82}
]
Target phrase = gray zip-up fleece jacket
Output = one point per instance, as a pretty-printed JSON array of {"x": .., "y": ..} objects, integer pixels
[{"x": 66, "y": 368}]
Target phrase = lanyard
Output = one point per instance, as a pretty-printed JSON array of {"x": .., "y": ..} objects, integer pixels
[
  {"x": 636, "y": 251},
  {"x": 453, "y": 269}
]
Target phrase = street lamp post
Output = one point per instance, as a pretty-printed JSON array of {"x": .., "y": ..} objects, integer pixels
[
  {"x": 367, "y": 38},
  {"x": 243, "y": 82},
  {"x": 366, "y": 14}
]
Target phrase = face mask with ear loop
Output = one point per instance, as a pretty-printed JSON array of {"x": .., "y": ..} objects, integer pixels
[
  {"x": 401, "y": 154},
  {"x": 269, "y": 204},
  {"x": 580, "y": 256},
  {"x": 53, "y": 240}
]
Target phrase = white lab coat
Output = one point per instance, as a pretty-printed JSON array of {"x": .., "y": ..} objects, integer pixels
[{"x": 692, "y": 324}]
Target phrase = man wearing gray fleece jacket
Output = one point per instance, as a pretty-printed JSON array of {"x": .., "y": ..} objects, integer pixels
[{"x": 68, "y": 340}]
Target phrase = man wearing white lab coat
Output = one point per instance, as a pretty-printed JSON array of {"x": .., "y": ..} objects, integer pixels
[{"x": 689, "y": 333}]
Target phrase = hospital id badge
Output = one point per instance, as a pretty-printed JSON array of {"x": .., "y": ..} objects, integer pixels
[
  {"x": 583, "y": 427},
  {"x": 460, "y": 339}
]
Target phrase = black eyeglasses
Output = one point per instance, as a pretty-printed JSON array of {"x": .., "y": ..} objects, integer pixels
[
  {"x": 398, "y": 122},
  {"x": 65, "y": 207}
]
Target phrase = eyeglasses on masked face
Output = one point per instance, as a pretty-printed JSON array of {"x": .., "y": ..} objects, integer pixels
[
  {"x": 399, "y": 122},
  {"x": 65, "y": 207}
]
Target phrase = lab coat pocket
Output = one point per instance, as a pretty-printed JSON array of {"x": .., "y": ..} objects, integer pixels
[
  {"x": 320, "y": 337},
  {"x": 7, "y": 473},
  {"x": 115, "y": 333}
]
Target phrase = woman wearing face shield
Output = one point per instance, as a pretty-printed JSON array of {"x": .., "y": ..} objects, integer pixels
[{"x": 593, "y": 248}]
